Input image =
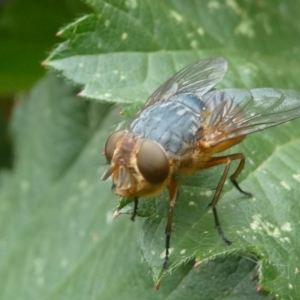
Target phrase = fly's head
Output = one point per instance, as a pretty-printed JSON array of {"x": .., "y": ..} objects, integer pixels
[{"x": 139, "y": 167}]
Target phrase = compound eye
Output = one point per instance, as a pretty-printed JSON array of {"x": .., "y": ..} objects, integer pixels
[
  {"x": 153, "y": 162},
  {"x": 111, "y": 143}
]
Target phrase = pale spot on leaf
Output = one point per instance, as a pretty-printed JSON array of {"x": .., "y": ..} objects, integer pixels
[
  {"x": 200, "y": 31},
  {"x": 296, "y": 177},
  {"x": 286, "y": 227},
  {"x": 194, "y": 44},
  {"x": 124, "y": 35},
  {"x": 131, "y": 4},
  {"x": 174, "y": 14},
  {"x": 285, "y": 185},
  {"x": 163, "y": 254},
  {"x": 245, "y": 28},
  {"x": 213, "y": 4}
]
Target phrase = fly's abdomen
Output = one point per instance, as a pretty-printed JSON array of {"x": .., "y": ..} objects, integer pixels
[{"x": 174, "y": 124}]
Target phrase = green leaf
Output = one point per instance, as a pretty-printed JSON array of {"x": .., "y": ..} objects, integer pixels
[
  {"x": 58, "y": 239},
  {"x": 124, "y": 51}
]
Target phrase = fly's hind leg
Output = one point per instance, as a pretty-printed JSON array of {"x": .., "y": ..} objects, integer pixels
[
  {"x": 236, "y": 174},
  {"x": 215, "y": 161}
]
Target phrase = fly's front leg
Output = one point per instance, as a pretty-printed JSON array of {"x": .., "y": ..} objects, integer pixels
[
  {"x": 135, "y": 207},
  {"x": 173, "y": 188},
  {"x": 214, "y": 161}
]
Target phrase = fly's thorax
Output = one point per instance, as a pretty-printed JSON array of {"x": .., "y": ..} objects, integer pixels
[{"x": 139, "y": 167}]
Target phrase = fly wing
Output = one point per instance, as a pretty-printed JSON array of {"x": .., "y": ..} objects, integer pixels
[
  {"x": 197, "y": 78},
  {"x": 231, "y": 113}
]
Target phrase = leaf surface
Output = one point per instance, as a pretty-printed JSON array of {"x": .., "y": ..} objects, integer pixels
[{"x": 121, "y": 53}]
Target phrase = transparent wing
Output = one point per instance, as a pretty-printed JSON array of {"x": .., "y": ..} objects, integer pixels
[
  {"x": 231, "y": 113},
  {"x": 197, "y": 78}
]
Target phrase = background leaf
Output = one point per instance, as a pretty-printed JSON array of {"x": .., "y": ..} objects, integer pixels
[{"x": 27, "y": 33}]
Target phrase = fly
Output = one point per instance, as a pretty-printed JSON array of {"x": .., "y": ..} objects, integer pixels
[{"x": 183, "y": 124}]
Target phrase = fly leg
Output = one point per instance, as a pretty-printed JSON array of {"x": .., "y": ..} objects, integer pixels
[
  {"x": 236, "y": 174},
  {"x": 135, "y": 207},
  {"x": 214, "y": 161},
  {"x": 173, "y": 188},
  {"x": 215, "y": 199}
]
